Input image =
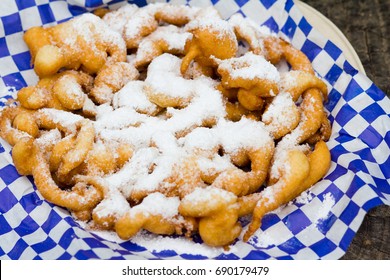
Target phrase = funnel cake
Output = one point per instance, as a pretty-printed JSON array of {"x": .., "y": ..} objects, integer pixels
[
  {"x": 85, "y": 42},
  {"x": 211, "y": 38},
  {"x": 63, "y": 91},
  {"x": 169, "y": 120}
]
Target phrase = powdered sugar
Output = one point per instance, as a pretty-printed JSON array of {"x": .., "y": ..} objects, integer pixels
[
  {"x": 246, "y": 133},
  {"x": 250, "y": 66},
  {"x": 114, "y": 204},
  {"x": 164, "y": 78},
  {"x": 126, "y": 178},
  {"x": 304, "y": 198},
  {"x": 168, "y": 38},
  {"x": 140, "y": 19},
  {"x": 117, "y": 19},
  {"x": 206, "y": 18},
  {"x": 91, "y": 28},
  {"x": 180, "y": 245},
  {"x": 133, "y": 95},
  {"x": 289, "y": 79},
  {"x": 252, "y": 33},
  {"x": 72, "y": 90},
  {"x": 186, "y": 13},
  {"x": 325, "y": 209},
  {"x": 214, "y": 25},
  {"x": 48, "y": 139},
  {"x": 210, "y": 195},
  {"x": 64, "y": 119},
  {"x": 7, "y": 91},
  {"x": 281, "y": 155},
  {"x": 231, "y": 136},
  {"x": 159, "y": 204},
  {"x": 278, "y": 114},
  {"x": 318, "y": 214}
]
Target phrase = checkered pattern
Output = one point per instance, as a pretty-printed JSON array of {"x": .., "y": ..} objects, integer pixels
[{"x": 32, "y": 228}]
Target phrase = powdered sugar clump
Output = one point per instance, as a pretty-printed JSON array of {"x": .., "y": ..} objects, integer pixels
[
  {"x": 324, "y": 211},
  {"x": 180, "y": 245},
  {"x": 158, "y": 204},
  {"x": 250, "y": 66},
  {"x": 117, "y": 19},
  {"x": 92, "y": 29}
]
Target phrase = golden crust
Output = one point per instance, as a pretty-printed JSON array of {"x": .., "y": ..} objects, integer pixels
[{"x": 84, "y": 42}]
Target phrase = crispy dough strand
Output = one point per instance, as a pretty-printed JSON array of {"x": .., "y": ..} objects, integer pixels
[
  {"x": 83, "y": 144},
  {"x": 280, "y": 192},
  {"x": 304, "y": 171},
  {"x": 218, "y": 214},
  {"x": 84, "y": 198}
]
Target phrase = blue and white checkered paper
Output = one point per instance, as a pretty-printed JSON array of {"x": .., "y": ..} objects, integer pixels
[{"x": 318, "y": 225}]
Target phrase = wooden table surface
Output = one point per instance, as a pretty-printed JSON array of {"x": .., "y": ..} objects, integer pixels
[{"x": 366, "y": 24}]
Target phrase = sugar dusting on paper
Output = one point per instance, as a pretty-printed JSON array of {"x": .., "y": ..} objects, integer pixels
[
  {"x": 5, "y": 94},
  {"x": 325, "y": 208},
  {"x": 271, "y": 237}
]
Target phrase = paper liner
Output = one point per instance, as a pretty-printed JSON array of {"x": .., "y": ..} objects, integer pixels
[{"x": 320, "y": 224}]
